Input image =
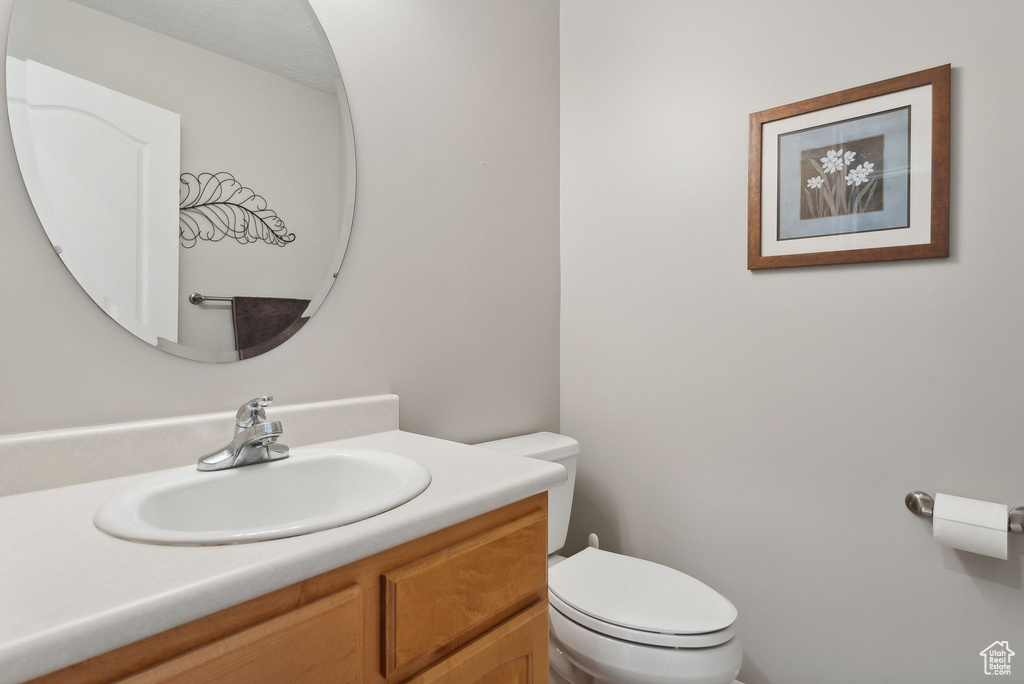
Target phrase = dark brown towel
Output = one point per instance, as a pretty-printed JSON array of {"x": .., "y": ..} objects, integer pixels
[{"x": 262, "y": 323}]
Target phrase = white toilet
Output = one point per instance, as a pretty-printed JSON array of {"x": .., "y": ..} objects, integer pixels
[{"x": 620, "y": 620}]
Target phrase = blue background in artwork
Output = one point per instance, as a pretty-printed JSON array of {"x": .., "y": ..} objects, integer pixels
[{"x": 896, "y": 128}]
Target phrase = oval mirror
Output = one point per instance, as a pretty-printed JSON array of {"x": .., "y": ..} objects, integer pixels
[{"x": 191, "y": 161}]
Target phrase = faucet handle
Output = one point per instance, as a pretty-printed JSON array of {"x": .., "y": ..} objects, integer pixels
[{"x": 253, "y": 411}]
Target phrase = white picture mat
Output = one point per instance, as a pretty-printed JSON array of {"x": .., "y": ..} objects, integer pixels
[{"x": 920, "y": 230}]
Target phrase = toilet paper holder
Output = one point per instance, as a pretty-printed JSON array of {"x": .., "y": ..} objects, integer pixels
[{"x": 923, "y": 504}]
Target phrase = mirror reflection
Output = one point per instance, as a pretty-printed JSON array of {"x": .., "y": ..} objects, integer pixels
[{"x": 191, "y": 162}]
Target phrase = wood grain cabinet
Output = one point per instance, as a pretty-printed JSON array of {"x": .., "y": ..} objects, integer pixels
[
  {"x": 514, "y": 652},
  {"x": 465, "y": 605},
  {"x": 318, "y": 642},
  {"x": 431, "y": 602}
]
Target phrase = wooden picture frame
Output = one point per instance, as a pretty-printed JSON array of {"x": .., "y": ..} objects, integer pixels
[{"x": 806, "y": 210}]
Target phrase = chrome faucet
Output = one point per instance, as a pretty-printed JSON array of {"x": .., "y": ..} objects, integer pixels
[{"x": 255, "y": 439}]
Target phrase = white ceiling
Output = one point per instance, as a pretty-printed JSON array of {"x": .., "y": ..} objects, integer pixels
[{"x": 282, "y": 37}]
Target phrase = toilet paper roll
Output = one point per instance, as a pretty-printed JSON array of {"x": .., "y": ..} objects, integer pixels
[{"x": 970, "y": 525}]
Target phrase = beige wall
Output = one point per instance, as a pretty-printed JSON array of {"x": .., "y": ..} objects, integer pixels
[
  {"x": 449, "y": 293},
  {"x": 760, "y": 431}
]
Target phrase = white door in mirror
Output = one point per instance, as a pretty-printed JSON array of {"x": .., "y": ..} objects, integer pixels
[
  {"x": 102, "y": 170},
  {"x": 316, "y": 489}
]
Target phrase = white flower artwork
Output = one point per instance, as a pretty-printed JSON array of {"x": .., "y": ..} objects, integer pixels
[
  {"x": 831, "y": 178},
  {"x": 835, "y": 186}
]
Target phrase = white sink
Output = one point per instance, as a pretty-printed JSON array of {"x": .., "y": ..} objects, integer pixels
[{"x": 315, "y": 489}]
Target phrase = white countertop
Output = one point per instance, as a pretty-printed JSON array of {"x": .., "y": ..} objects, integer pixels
[{"x": 69, "y": 592}]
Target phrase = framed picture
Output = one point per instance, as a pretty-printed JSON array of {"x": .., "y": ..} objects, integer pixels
[{"x": 858, "y": 175}]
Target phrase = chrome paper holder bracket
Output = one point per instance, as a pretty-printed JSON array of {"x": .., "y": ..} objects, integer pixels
[{"x": 923, "y": 504}]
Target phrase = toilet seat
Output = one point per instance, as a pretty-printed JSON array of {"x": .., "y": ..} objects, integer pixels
[
  {"x": 639, "y": 601},
  {"x": 636, "y": 636},
  {"x": 580, "y": 655}
]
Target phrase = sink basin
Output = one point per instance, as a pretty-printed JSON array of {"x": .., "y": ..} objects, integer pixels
[{"x": 315, "y": 489}]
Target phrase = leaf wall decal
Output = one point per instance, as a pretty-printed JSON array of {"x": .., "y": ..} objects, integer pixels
[{"x": 213, "y": 206}]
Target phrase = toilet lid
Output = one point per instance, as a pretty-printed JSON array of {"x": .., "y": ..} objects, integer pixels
[{"x": 639, "y": 594}]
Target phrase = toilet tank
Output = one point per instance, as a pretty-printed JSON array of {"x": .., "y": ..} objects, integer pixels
[{"x": 549, "y": 447}]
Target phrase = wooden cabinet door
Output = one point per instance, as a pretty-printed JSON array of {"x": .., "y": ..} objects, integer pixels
[
  {"x": 441, "y": 601},
  {"x": 317, "y": 643},
  {"x": 514, "y": 652}
]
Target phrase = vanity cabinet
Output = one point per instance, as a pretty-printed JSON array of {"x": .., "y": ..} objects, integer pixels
[
  {"x": 318, "y": 642},
  {"x": 515, "y": 652},
  {"x": 465, "y": 605},
  {"x": 430, "y": 602}
]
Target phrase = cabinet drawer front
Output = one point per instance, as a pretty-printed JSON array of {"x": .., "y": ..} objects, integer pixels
[
  {"x": 515, "y": 652},
  {"x": 319, "y": 642},
  {"x": 435, "y": 604}
]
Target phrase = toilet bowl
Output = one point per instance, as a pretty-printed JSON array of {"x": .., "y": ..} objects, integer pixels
[{"x": 616, "y": 619}]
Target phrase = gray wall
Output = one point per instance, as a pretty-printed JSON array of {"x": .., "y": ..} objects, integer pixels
[
  {"x": 760, "y": 431},
  {"x": 448, "y": 295}
]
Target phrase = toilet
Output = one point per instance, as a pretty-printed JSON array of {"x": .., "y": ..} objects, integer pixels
[{"x": 616, "y": 619}]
